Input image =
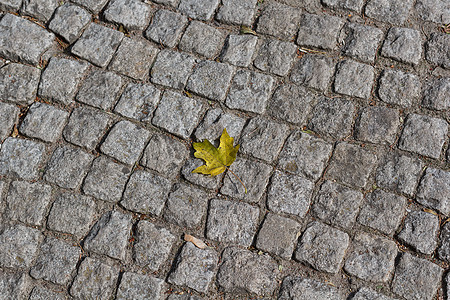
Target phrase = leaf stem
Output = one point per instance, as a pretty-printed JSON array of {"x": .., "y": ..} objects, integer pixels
[{"x": 237, "y": 178}]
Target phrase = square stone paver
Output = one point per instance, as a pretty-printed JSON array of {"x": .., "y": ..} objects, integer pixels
[
  {"x": 166, "y": 27},
  {"x": 134, "y": 58},
  {"x": 172, "y": 68},
  {"x": 377, "y": 125},
  {"x": 138, "y": 101},
  {"x": 215, "y": 121},
  {"x": 254, "y": 175},
  {"x": 372, "y": 258},
  {"x": 67, "y": 167},
  {"x": 437, "y": 50},
  {"x": 86, "y": 126},
  {"x": 194, "y": 268},
  {"x": 249, "y": 91},
  {"x": 239, "y": 49},
  {"x": 19, "y": 246},
  {"x": 39, "y": 293},
  {"x": 137, "y": 286},
  {"x": 202, "y": 39},
  {"x": 72, "y": 213},
  {"x": 186, "y": 206},
  {"x": 98, "y": 44},
  {"x": 94, "y": 6},
  {"x": 434, "y": 190},
  {"x": 361, "y": 42},
  {"x": 437, "y": 95},
  {"x": 354, "y": 79},
  {"x": 279, "y": 20},
  {"x": 307, "y": 289},
  {"x": 40, "y": 9},
  {"x": 23, "y": 40},
  {"x": 87, "y": 284},
  {"x": 392, "y": 11},
  {"x": 289, "y": 194},
  {"x": 69, "y": 21},
  {"x": 125, "y": 142},
  {"x": 382, "y": 211},
  {"x": 200, "y": 10},
  {"x": 319, "y": 31},
  {"x": 416, "y": 278},
  {"x": 403, "y": 44},
  {"x": 211, "y": 79},
  {"x": 56, "y": 262},
  {"x": 19, "y": 83},
  {"x": 313, "y": 71},
  {"x": 263, "y": 139},
  {"x": 437, "y": 11},
  {"x": 243, "y": 271},
  {"x": 152, "y": 246},
  {"x": 146, "y": 193},
  {"x": 178, "y": 114},
  {"x": 355, "y": 5},
  {"x": 424, "y": 135},
  {"x": 291, "y": 103},
  {"x": 276, "y": 57},
  {"x": 278, "y": 235},
  {"x": 110, "y": 234},
  {"x": 9, "y": 115},
  {"x": 337, "y": 204},
  {"x": 100, "y": 89},
  {"x": 420, "y": 231},
  {"x": 209, "y": 182},
  {"x": 44, "y": 122},
  {"x": 21, "y": 158},
  {"x": 333, "y": 117},
  {"x": 304, "y": 154},
  {"x": 28, "y": 202},
  {"x": 397, "y": 87},
  {"x": 399, "y": 173},
  {"x": 165, "y": 155},
  {"x": 351, "y": 164},
  {"x": 368, "y": 294},
  {"x": 237, "y": 12},
  {"x": 60, "y": 79},
  {"x": 323, "y": 247},
  {"x": 132, "y": 14},
  {"x": 232, "y": 222},
  {"x": 106, "y": 180}
]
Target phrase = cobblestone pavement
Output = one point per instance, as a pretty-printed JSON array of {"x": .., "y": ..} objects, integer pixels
[{"x": 341, "y": 108}]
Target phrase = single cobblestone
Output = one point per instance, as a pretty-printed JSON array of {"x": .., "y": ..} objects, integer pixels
[
  {"x": 323, "y": 247},
  {"x": 132, "y": 14},
  {"x": 40, "y": 9},
  {"x": 69, "y": 21},
  {"x": 153, "y": 244},
  {"x": 215, "y": 121},
  {"x": 403, "y": 44},
  {"x": 11, "y": 5},
  {"x": 232, "y": 222},
  {"x": 437, "y": 95},
  {"x": 14, "y": 285},
  {"x": 244, "y": 271},
  {"x": 203, "y": 10},
  {"x": 209, "y": 182},
  {"x": 319, "y": 31},
  {"x": 391, "y": 11},
  {"x": 39, "y": 293},
  {"x": 137, "y": 286},
  {"x": 354, "y": 79},
  {"x": 355, "y": 5},
  {"x": 368, "y": 294},
  {"x": 434, "y": 190},
  {"x": 372, "y": 258},
  {"x": 397, "y": 87},
  {"x": 93, "y": 5},
  {"x": 9, "y": 115},
  {"x": 194, "y": 268},
  {"x": 275, "y": 57},
  {"x": 313, "y": 71},
  {"x": 237, "y": 12},
  {"x": 172, "y": 68},
  {"x": 437, "y": 11},
  {"x": 378, "y": 125},
  {"x": 307, "y": 289},
  {"x": 239, "y": 50},
  {"x": 27, "y": 202},
  {"x": 444, "y": 248},
  {"x": 279, "y": 20},
  {"x": 361, "y": 42},
  {"x": 202, "y": 39},
  {"x": 420, "y": 231},
  {"x": 438, "y": 49},
  {"x": 19, "y": 83},
  {"x": 166, "y": 27}
]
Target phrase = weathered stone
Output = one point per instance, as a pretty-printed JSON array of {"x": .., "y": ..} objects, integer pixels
[
  {"x": 437, "y": 11},
  {"x": 21, "y": 158},
  {"x": 368, "y": 294},
  {"x": 444, "y": 248},
  {"x": 40, "y": 293},
  {"x": 202, "y": 39},
  {"x": 237, "y": 12},
  {"x": 403, "y": 44},
  {"x": 132, "y": 14},
  {"x": 378, "y": 125},
  {"x": 23, "y": 40},
  {"x": 354, "y": 79},
  {"x": 319, "y": 31},
  {"x": 305, "y": 154},
  {"x": 72, "y": 213},
  {"x": 337, "y": 204},
  {"x": 15, "y": 286},
  {"x": 313, "y": 71},
  {"x": 138, "y": 101},
  {"x": 98, "y": 44},
  {"x": 416, "y": 278},
  {"x": 437, "y": 95},
  {"x": 299, "y": 288},
  {"x": 382, "y": 211},
  {"x": 106, "y": 180},
  {"x": 214, "y": 123},
  {"x": 243, "y": 271},
  {"x": 438, "y": 49},
  {"x": 397, "y": 87},
  {"x": 423, "y": 135},
  {"x": 209, "y": 182},
  {"x": 152, "y": 246},
  {"x": 232, "y": 222},
  {"x": 9, "y": 115},
  {"x": 134, "y": 58},
  {"x": 355, "y": 5},
  {"x": 173, "y": 3},
  {"x": 95, "y": 280},
  {"x": 166, "y": 27},
  {"x": 93, "y": 5},
  {"x": 146, "y": 193},
  {"x": 239, "y": 49},
  {"x": 67, "y": 167},
  {"x": 19, "y": 83},
  {"x": 202, "y": 10},
  {"x": 276, "y": 57},
  {"x": 372, "y": 258},
  {"x": 110, "y": 234},
  {"x": 56, "y": 262},
  {"x": 361, "y": 42},
  {"x": 172, "y": 68},
  {"x": 40, "y": 9},
  {"x": 194, "y": 268},
  {"x": 420, "y": 231},
  {"x": 279, "y": 20},
  {"x": 69, "y": 21},
  {"x": 136, "y": 286},
  {"x": 322, "y": 247},
  {"x": 434, "y": 190},
  {"x": 11, "y": 5},
  {"x": 391, "y": 11}
]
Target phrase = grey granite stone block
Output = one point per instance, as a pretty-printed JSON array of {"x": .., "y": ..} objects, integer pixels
[
  {"x": 202, "y": 39},
  {"x": 279, "y": 20},
  {"x": 19, "y": 83},
  {"x": 40, "y": 293},
  {"x": 69, "y": 21},
  {"x": 313, "y": 71},
  {"x": 354, "y": 79},
  {"x": 209, "y": 182},
  {"x": 215, "y": 121},
  {"x": 391, "y": 11},
  {"x": 239, "y": 49},
  {"x": 15, "y": 285},
  {"x": 93, "y": 5},
  {"x": 403, "y": 44},
  {"x": 172, "y": 68},
  {"x": 434, "y": 190},
  {"x": 420, "y": 231},
  {"x": 307, "y": 289},
  {"x": 319, "y": 31},
  {"x": 132, "y": 14},
  {"x": 444, "y": 247},
  {"x": 368, "y": 294},
  {"x": 10, "y": 5},
  {"x": 397, "y": 87},
  {"x": 438, "y": 49},
  {"x": 361, "y": 41},
  {"x": 437, "y": 11},
  {"x": 355, "y": 5},
  {"x": 276, "y": 57},
  {"x": 40, "y": 9},
  {"x": 9, "y": 114},
  {"x": 137, "y": 286},
  {"x": 377, "y": 125},
  {"x": 437, "y": 95},
  {"x": 237, "y": 12},
  {"x": 200, "y": 10},
  {"x": 166, "y": 27}
]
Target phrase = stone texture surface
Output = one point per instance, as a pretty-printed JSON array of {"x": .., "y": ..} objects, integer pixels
[
  {"x": 397, "y": 87},
  {"x": 354, "y": 79},
  {"x": 319, "y": 31},
  {"x": 166, "y": 28},
  {"x": 19, "y": 83},
  {"x": 42, "y": 10},
  {"x": 202, "y": 39},
  {"x": 279, "y": 20},
  {"x": 237, "y": 12},
  {"x": 137, "y": 286},
  {"x": 361, "y": 42},
  {"x": 275, "y": 57},
  {"x": 172, "y": 68},
  {"x": 239, "y": 49},
  {"x": 198, "y": 10},
  {"x": 378, "y": 125},
  {"x": 69, "y": 21},
  {"x": 307, "y": 289},
  {"x": 437, "y": 11},
  {"x": 392, "y": 11},
  {"x": 314, "y": 71},
  {"x": 403, "y": 44},
  {"x": 132, "y": 14},
  {"x": 9, "y": 114},
  {"x": 420, "y": 231},
  {"x": 437, "y": 50},
  {"x": 437, "y": 95},
  {"x": 434, "y": 190}
]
